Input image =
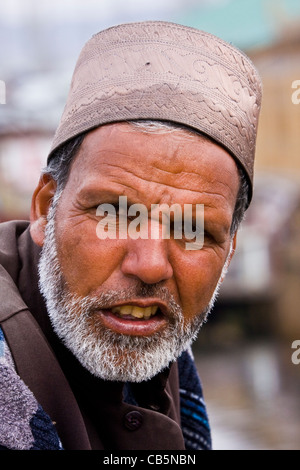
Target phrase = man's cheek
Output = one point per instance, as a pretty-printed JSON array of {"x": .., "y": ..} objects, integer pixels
[
  {"x": 87, "y": 264},
  {"x": 197, "y": 289}
]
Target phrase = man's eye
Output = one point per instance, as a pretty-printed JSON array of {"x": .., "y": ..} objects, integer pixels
[
  {"x": 106, "y": 207},
  {"x": 120, "y": 210}
]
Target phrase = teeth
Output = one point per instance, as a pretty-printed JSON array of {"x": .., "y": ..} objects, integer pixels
[
  {"x": 137, "y": 312},
  {"x": 147, "y": 312},
  {"x": 154, "y": 309},
  {"x": 123, "y": 310}
]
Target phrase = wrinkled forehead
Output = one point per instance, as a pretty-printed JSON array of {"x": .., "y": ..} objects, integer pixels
[{"x": 127, "y": 156}]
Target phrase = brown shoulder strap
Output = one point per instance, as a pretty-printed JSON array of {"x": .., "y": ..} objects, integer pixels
[{"x": 39, "y": 369}]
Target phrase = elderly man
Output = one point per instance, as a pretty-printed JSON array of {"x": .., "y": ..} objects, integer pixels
[{"x": 97, "y": 319}]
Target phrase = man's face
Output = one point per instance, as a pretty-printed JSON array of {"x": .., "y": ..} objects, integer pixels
[{"x": 138, "y": 287}]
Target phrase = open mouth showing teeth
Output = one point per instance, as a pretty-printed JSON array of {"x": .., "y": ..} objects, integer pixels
[
  {"x": 135, "y": 312},
  {"x": 134, "y": 320}
]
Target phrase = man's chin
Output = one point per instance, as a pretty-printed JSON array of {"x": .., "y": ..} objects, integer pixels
[{"x": 119, "y": 358}]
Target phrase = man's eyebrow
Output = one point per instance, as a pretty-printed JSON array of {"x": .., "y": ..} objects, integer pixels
[
  {"x": 88, "y": 194},
  {"x": 93, "y": 195}
]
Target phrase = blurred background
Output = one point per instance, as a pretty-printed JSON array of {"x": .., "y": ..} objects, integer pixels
[{"x": 251, "y": 386}]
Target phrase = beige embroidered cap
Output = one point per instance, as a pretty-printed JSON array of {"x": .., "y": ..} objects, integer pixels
[{"x": 164, "y": 71}]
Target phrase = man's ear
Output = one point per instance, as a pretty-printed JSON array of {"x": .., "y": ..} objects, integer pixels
[
  {"x": 229, "y": 258},
  {"x": 40, "y": 204}
]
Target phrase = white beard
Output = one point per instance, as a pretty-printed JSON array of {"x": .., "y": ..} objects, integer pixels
[{"x": 104, "y": 353}]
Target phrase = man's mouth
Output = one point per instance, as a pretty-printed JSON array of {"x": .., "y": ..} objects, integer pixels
[
  {"x": 133, "y": 311},
  {"x": 136, "y": 320}
]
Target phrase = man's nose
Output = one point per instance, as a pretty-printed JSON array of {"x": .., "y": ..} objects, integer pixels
[{"x": 147, "y": 260}]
